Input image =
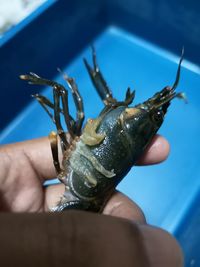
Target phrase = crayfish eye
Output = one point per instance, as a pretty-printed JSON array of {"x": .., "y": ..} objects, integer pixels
[{"x": 158, "y": 116}]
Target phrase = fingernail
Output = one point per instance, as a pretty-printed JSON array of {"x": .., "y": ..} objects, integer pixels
[{"x": 161, "y": 248}]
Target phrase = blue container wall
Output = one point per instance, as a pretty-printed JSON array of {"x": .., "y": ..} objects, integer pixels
[
  {"x": 188, "y": 235},
  {"x": 45, "y": 43},
  {"x": 170, "y": 24}
]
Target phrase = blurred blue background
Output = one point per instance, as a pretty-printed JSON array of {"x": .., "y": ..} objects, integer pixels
[{"x": 138, "y": 44}]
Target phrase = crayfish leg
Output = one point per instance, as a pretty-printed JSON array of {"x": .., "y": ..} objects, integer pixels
[
  {"x": 101, "y": 86},
  {"x": 78, "y": 101},
  {"x": 98, "y": 80},
  {"x": 61, "y": 174}
]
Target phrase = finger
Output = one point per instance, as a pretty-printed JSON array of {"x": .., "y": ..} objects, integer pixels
[
  {"x": 120, "y": 205},
  {"x": 160, "y": 248},
  {"x": 38, "y": 153},
  {"x": 83, "y": 239},
  {"x": 156, "y": 152},
  {"x": 53, "y": 194}
]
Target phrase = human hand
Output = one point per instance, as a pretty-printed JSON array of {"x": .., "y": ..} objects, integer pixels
[{"x": 25, "y": 166}]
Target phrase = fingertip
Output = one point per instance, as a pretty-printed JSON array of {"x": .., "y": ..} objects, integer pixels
[
  {"x": 157, "y": 151},
  {"x": 53, "y": 194}
]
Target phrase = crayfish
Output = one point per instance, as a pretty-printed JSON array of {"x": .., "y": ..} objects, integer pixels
[{"x": 98, "y": 156}]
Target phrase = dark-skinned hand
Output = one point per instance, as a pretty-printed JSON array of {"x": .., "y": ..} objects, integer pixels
[{"x": 25, "y": 166}]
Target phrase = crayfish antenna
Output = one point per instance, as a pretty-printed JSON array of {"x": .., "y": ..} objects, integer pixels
[{"x": 178, "y": 71}]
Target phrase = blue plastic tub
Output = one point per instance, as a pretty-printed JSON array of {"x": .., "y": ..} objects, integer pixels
[{"x": 138, "y": 46}]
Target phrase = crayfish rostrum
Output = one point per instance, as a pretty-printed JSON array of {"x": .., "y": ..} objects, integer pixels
[{"x": 97, "y": 157}]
